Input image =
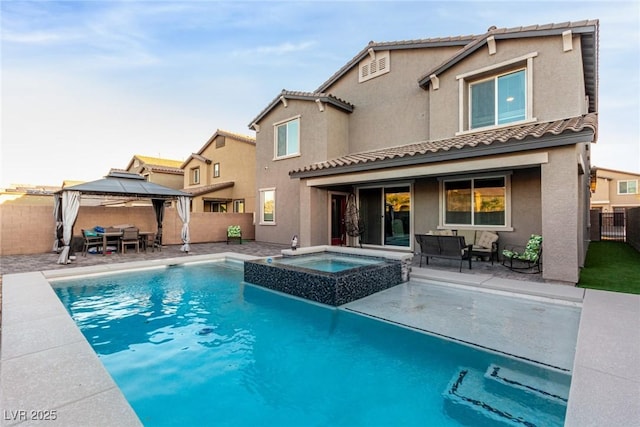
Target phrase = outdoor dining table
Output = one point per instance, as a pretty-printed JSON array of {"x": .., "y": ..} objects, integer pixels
[
  {"x": 105, "y": 235},
  {"x": 144, "y": 235}
]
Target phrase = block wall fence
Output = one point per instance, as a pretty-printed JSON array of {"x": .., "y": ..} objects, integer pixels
[
  {"x": 633, "y": 228},
  {"x": 30, "y": 229}
]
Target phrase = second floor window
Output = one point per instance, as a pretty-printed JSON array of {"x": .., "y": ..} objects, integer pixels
[
  {"x": 498, "y": 100},
  {"x": 287, "y": 138},
  {"x": 216, "y": 170},
  {"x": 195, "y": 176},
  {"x": 628, "y": 187}
]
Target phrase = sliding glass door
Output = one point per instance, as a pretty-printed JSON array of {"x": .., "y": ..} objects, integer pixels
[{"x": 386, "y": 214}]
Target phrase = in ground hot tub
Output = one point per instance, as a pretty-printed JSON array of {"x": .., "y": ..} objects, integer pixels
[{"x": 327, "y": 277}]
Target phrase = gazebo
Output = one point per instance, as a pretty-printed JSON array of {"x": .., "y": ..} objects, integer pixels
[{"x": 118, "y": 184}]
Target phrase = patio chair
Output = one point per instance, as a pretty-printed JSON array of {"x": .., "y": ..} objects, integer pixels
[
  {"x": 90, "y": 240},
  {"x": 527, "y": 259},
  {"x": 234, "y": 233},
  {"x": 157, "y": 241},
  {"x": 147, "y": 241},
  {"x": 130, "y": 238}
]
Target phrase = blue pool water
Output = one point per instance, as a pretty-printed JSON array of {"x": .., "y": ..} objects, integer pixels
[
  {"x": 330, "y": 263},
  {"x": 194, "y": 345}
]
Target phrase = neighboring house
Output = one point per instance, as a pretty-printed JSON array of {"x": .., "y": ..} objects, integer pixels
[
  {"x": 615, "y": 191},
  {"x": 32, "y": 195},
  {"x": 468, "y": 132},
  {"x": 165, "y": 172},
  {"x": 221, "y": 175}
]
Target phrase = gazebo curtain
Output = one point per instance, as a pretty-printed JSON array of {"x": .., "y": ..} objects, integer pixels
[
  {"x": 158, "y": 207},
  {"x": 70, "y": 206},
  {"x": 184, "y": 208},
  {"x": 57, "y": 217}
]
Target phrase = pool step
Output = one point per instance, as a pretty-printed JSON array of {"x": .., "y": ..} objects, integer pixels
[
  {"x": 472, "y": 398},
  {"x": 554, "y": 387}
]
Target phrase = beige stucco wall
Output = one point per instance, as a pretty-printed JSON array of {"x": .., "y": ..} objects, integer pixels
[
  {"x": 321, "y": 133},
  {"x": 557, "y": 93},
  {"x": 174, "y": 181},
  {"x": 560, "y": 219},
  {"x": 390, "y": 109},
  {"x": 28, "y": 229}
]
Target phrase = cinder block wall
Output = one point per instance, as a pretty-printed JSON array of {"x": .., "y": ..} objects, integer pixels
[
  {"x": 30, "y": 229},
  {"x": 633, "y": 227}
]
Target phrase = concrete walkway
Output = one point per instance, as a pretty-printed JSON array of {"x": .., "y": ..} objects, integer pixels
[{"x": 36, "y": 330}]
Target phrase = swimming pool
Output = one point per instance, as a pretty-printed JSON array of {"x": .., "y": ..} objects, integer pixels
[{"x": 194, "y": 345}]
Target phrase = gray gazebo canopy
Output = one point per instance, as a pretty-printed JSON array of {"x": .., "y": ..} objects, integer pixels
[
  {"x": 126, "y": 184},
  {"x": 116, "y": 184}
]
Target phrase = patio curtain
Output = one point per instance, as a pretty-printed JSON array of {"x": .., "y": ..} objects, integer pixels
[
  {"x": 70, "y": 206},
  {"x": 352, "y": 222},
  {"x": 158, "y": 207},
  {"x": 184, "y": 203},
  {"x": 57, "y": 217}
]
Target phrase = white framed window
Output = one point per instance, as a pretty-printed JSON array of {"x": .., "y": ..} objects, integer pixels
[
  {"x": 238, "y": 206},
  {"x": 496, "y": 96},
  {"x": 498, "y": 100},
  {"x": 195, "y": 176},
  {"x": 476, "y": 201},
  {"x": 287, "y": 138},
  {"x": 628, "y": 187},
  {"x": 267, "y": 206},
  {"x": 216, "y": 170}
]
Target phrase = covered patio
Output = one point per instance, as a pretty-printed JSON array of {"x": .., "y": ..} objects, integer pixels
[{"x": 116, "y": 185}]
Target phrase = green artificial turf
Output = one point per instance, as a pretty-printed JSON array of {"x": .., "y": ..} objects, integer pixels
[{"x": 611, "y": 266}]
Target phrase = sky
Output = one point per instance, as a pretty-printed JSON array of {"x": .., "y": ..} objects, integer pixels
[{"x": 86, "y": 85}]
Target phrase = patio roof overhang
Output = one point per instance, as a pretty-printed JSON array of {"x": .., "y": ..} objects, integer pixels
[{"x": 461, "y": 148}]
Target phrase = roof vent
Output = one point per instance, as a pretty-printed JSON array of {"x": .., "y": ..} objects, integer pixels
[
  {"x": 370, "y": 67},
  {"x": 491, "y": 28}
]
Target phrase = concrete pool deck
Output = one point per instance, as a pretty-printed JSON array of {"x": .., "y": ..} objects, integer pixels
[{"x": 46, "y": 364}]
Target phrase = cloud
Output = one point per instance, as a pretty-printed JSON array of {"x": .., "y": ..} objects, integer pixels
[
  {"x": 34, "y": 37},
  {"x": 278, "y": 50}
]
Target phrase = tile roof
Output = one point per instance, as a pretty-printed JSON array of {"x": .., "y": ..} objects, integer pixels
[
  {"x": 327, "y": 98},
  {"x": 475, "y": 139},
  {"x": 165, "y": 169},
  {"x": 158, "y": 161},
  {"x": 236, "y": 136},
  {"x": 198, "y": 191}
]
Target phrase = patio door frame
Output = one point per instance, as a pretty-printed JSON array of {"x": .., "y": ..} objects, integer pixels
[
  {"x": 382, "y": 187},
  {"x": 330, "y": 216}
]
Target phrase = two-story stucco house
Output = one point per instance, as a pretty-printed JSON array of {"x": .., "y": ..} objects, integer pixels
[
  {"x": 614, "y": 190},
  {"x": 221, "y": 175},
  {"x": 486, "y": 132}
]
